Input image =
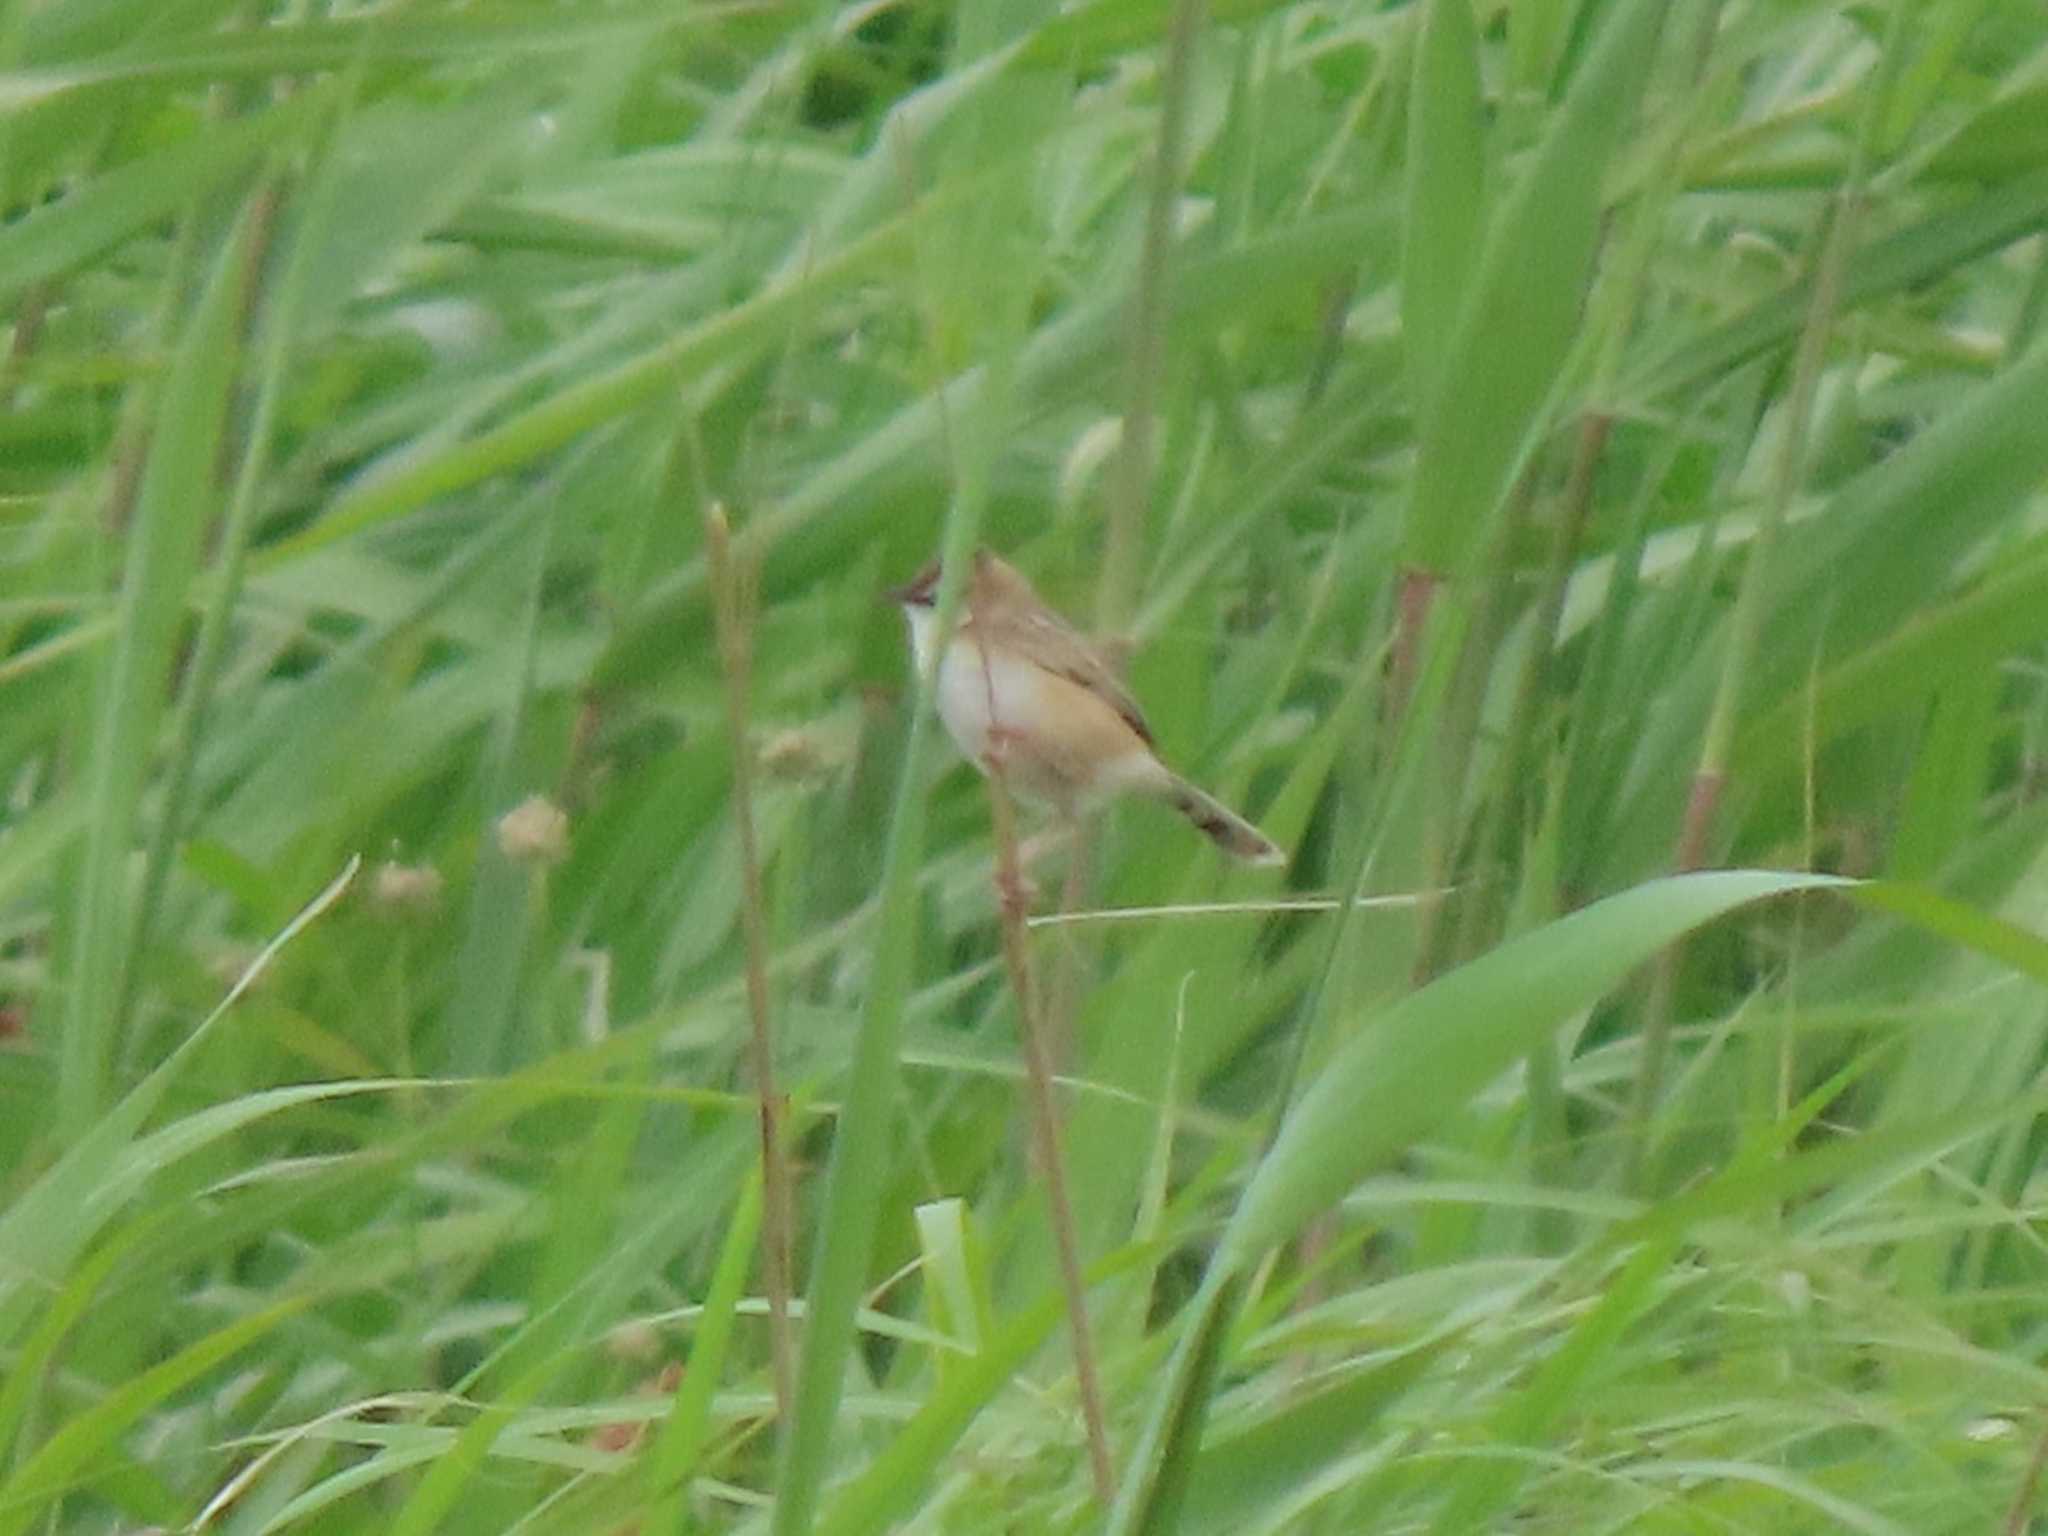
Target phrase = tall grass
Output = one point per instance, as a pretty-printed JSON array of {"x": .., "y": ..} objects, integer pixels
[{"x": 1526, "y": 449}]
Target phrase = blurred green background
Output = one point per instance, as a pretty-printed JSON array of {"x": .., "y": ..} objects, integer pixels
[{"x": 1525, "y": 448}]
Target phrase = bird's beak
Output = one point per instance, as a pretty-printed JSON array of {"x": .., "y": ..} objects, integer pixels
[{"x": 918, "y": 589}]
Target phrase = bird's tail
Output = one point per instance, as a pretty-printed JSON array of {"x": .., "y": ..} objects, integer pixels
[{"x": 1225, "y": 828}]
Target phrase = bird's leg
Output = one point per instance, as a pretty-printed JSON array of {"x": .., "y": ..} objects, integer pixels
[
  {"x": 1019, "y": 892},
  {"x": 1003, "y": 741}
]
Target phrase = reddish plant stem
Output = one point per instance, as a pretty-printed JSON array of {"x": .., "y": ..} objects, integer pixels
[
  {"x": 735, "y": 649},
  {"x": 28, "y": 331},
  {"x": 1013, "y": 897},
  {"x": 2019, "y": 1516},
  {"x": 1412, "y": 603}
]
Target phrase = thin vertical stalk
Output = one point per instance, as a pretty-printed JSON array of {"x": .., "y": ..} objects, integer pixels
[
  {"x": 1408, "y": 756},
  {"x": 1146, "y": 359},
  {"x": 1746, "y": 622},
  {"x": 1012, "y": 899},
  {"x": 1492, "y": 594},
  {"x": 210, "y": 649},
  {"x": 29, "y": 314},
  {"x": 679, "y": 1445},
  {"x": 171, "y": 489},
  {"x": 849, "y": 1211},
  {"x": 2026, "y": 323},
  {"x": 1131, "y": 487},
  {"x": 860, "y": 1147},
  {"x": 1504, "y": 813},
  {"x": 1631, "y": 279},
  {"x": 1414, "y": 600},
  {"x": 2019, "y": 1515},
  {"x": 846, "y": 1231},
  {"x": 730, "y": 607}
]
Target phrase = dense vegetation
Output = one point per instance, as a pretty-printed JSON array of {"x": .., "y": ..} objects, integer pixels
[{"x": 1525, "y": 448}]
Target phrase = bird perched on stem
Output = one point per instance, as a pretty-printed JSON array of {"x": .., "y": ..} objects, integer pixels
[{"x": 1022, "y": 691}]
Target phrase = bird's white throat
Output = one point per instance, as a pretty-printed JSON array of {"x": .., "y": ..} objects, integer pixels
[{"x": 974, "y": 689}]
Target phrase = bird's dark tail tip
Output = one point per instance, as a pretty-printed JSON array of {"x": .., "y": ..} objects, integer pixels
[{"x": 1224, "y": 827}]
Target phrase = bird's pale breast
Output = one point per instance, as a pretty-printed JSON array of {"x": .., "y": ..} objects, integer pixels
[{"x": 1061, "y": 741}]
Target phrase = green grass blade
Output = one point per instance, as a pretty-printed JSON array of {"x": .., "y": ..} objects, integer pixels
[
  {"x": 1375, "y": 1097},
  {"x": 1928, "y": 248},
  {"x": 122, "y": 203},
  {"x": 1480, "y": 1491},
  {"x": 48, "y": 1224},
  {"x": 177, "y": 499},
  {"x": 680, "y": 1445},
  {"x": 1445, "y": 220},
  {"x": 1852, "y": 576},
  {"x": 35, "y": 1488},
  {"x": 1518, "y": 321}
]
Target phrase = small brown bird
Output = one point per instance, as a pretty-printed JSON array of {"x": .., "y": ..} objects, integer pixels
[{"x": 1021, "y": 684}]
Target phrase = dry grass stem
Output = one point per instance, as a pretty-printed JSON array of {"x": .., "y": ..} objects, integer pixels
[
  {"x": 735, "y": 650},
  {"x": 1013, "y": 899}
]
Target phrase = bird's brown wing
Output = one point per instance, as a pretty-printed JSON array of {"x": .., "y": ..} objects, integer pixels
[{"x": 1057, "y": 647}]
